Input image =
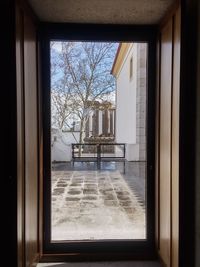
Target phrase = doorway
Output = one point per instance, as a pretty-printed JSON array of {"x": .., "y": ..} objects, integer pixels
[{"x": 100, "y": 198}]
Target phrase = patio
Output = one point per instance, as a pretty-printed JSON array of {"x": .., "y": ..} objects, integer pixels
[{"x": 91, "y": 204}]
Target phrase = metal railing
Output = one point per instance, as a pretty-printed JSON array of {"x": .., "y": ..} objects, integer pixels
[{"x": 98, "y": 152}]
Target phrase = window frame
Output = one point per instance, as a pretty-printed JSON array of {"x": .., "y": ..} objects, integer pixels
[{"x": 103, "y": 249}]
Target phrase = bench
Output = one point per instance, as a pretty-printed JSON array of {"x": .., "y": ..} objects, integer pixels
[{"x": 102, "y": 152}]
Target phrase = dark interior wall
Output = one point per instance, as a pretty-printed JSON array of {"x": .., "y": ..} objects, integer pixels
[
  {"x": 197, "y": 241},
  {"x": 188, "y": 96},
  {"x": 20, "y": 136},
  {"x": 8, "y": 144},
  {"x": 27, "y": 136}
]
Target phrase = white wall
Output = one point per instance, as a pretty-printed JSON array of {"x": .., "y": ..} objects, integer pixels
[
  {"x": 126, "y": 108},
  {"x": 126, "y": 100},
  {"x": 131, "y": 103},
  {"x": 61, "y": 145}
]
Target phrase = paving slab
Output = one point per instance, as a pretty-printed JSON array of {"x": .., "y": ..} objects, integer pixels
[{"x": 95, "y": 205}]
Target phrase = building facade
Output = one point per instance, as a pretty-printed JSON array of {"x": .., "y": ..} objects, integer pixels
[{"x": 129, "y": 69}]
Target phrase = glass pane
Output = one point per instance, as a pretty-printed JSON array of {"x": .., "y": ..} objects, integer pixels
[{"x": 98, "y": 134}]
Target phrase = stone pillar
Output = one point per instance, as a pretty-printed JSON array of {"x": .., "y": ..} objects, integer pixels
[
  {"x": 111, "y": 122},
  {"x": 94, "y": 124},
  {"x": 90, "y": 124},
  {"x": 87, "y": 127},
  {"x": 105, "y": 122},
  {"x": 114, "y": 122},
  {"x": 97, "y": 122},
  {"x": 108, "y": 121},
  {"x": 100, "y": 121}
]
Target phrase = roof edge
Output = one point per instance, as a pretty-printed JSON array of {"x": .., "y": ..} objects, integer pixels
[{"x": 121, "y": 52}]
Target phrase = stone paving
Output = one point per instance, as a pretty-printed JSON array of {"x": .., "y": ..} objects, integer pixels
[{"x": 94, "y": 205}]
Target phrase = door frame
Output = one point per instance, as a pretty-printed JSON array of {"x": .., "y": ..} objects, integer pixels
[{"x": 97, "y": 250}]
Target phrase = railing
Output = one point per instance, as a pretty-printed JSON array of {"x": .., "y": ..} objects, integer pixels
[{"x": 98, "y": 152}]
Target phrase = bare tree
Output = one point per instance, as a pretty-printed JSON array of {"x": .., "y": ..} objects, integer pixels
[
  {"x": 61, "y": 100},
  {"x": 82, "y": 77}
]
